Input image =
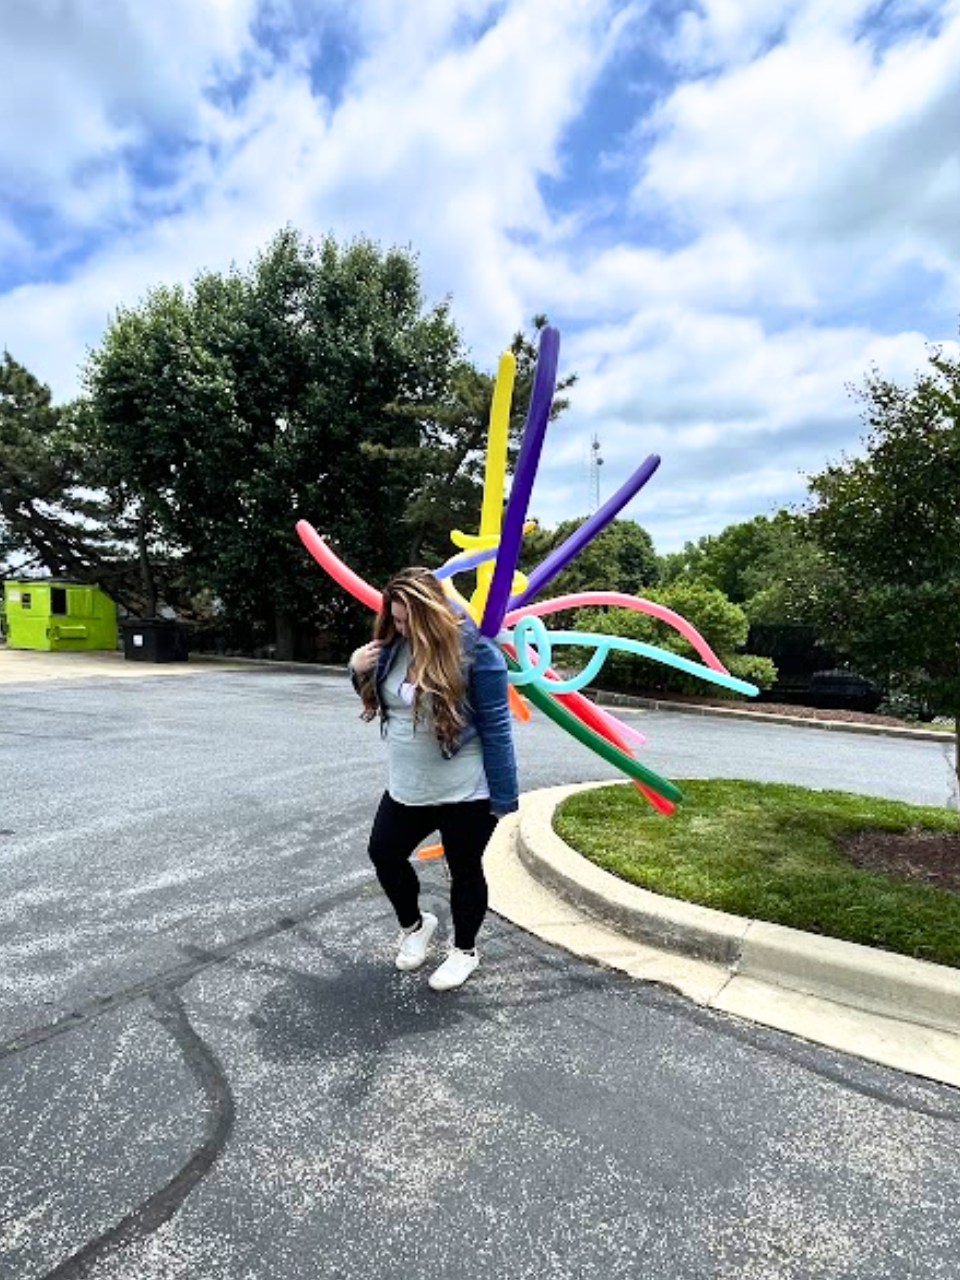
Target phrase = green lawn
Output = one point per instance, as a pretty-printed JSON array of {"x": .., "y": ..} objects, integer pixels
[{"x": 770, "y": 852}]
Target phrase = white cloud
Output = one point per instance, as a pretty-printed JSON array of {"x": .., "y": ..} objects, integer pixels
[
  {"x": 85, "y": 83},
  {"x": 445, "y": 159},
  {"x": 803, "y": 161},
  {"x": 737, "y": 415},
  {"x": 821, "y": 145}
]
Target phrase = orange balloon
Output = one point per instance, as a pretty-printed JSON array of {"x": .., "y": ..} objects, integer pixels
[
  {"x": 429, "y": 851},
  {"x": 518, "y": 705}
]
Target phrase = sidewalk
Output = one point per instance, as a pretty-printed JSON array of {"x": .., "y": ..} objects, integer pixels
[
  {"x": 889, "y": 1009},
  {"x": 28, "y": 666}
]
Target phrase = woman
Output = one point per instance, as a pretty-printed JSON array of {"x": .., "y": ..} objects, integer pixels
[{"x": 440, "y": 690}]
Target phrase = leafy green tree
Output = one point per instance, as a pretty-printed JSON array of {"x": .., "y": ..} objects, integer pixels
[
  {"x": 736, "y": 561},
  {"x": 620, "y": 558},
  {"x": 222, "y": 413},
  {"x": 447, "y": 459},
  {"x": 47, "y": 523},
  {"x": 771, "y": 566},
  {"x": 787, "y": 583},
  {"x": 722, "y": 624},
  {"x": 680, "y": 566},
  {"x": 889, "y": 524}
]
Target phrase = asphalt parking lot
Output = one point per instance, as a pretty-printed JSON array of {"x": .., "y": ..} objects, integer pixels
[{"x": 210, "y": 1068}]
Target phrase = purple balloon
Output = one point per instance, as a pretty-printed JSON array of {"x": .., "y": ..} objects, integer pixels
[
  {"x": 462, "y": 562},
  {"x": 538, "y": 414},
  {"x": 561, "y": 556}
]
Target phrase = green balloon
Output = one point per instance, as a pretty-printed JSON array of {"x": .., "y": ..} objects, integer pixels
[{"x": 604, "y": 749}]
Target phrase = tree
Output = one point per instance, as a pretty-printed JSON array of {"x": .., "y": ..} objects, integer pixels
[
  {"x": 789, "y": 579},
  {"x": 736, "y": 561},
  {"x": 447, "y": 460},
  {"x": 47, "y": 522},
  {"x": 889, "y": 524},
  {"x": 722, "y": 624},
  {"x": 771, "y": 566},
  {"x": 224, "y": 412},
  {"x": 620, "y": 558}
]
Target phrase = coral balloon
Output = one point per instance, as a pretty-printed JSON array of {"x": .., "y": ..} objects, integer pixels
[{"x": 341, "y": 574}]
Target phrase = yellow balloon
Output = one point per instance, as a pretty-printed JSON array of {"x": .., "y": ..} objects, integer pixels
[
  {"x": 474, "y": 541},
  {"x": 482, "y": 541},
  {"x": 491, "y": 512},
  {"x": 452, "y": 594}
]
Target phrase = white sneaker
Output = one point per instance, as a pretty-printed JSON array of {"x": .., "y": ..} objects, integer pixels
[
  {"x": 414, "y": 946},
  {"x": 455, "y": 970}
]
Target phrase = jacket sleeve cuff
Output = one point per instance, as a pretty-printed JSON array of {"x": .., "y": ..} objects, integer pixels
[{"x": 502, "y": 810}]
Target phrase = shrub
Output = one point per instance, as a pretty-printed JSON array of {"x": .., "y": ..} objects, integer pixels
[{"x": 722, "y": 624}]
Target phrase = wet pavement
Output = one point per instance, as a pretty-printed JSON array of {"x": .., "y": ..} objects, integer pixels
[{"x": 209, "y": 1067}]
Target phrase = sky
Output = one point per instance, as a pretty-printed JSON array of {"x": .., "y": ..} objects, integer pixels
[{"x": 732, "y": 210}]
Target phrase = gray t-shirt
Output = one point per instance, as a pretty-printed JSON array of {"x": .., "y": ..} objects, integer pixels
[{"x": 419, "y": 774}]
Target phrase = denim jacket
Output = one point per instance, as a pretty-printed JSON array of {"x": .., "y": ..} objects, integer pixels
[{"x": 486, "y": 712}]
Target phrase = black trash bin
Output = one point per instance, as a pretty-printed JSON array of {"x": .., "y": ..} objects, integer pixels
[{"x": 154, "y": 640}]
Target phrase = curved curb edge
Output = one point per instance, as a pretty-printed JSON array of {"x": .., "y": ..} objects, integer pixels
[{"x": 847, "y": 973}]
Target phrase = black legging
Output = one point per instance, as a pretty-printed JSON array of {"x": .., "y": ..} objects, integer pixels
[{"x": 465, "y": 830}]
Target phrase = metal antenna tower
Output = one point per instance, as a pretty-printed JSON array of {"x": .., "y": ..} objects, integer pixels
[{"x": 594, "y": 463}]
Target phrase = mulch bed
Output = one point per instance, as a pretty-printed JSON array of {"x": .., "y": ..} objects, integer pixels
[
  {"x": 932, "y": 857},
  {"x": 792, "y": 709}
]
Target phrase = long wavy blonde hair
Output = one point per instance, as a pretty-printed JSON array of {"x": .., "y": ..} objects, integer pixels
[{"x": 433, "y": 634}]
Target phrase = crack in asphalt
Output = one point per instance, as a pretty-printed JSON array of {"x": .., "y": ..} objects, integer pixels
[
  {"x": 160, "y": 1207},
  {"x": 175, "y": 976},
  {"x": 55, "y": 735},
  {"x": 162, "y": 992},
  {"x": 801, "y": 1053}
]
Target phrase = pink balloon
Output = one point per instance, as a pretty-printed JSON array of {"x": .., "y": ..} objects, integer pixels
[
  {"x": 627, "y": 730},
  {"x": 621, "y": 601},
  {"x": 337, "y": 570}
]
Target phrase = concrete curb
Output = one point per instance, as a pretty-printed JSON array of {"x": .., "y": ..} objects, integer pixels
[{"x": 877, "y": 982}]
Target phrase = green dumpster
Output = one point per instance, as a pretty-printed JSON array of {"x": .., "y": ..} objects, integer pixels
[{"x": 54, "y": 613}]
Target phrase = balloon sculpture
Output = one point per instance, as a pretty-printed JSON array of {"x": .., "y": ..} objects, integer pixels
[{"x": 501, "y": 603}]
